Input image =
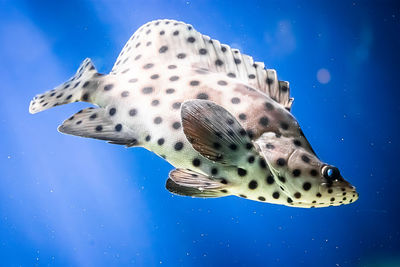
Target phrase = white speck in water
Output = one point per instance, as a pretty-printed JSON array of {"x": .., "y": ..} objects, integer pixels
[{"x": 323, "y": 76}]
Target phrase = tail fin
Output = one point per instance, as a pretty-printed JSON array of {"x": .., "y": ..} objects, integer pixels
[{"x": 75, "y": 89}]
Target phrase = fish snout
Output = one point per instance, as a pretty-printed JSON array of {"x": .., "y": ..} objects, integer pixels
[{"x": 339, "y": 192}]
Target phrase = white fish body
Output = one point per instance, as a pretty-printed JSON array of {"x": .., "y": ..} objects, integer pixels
[{"x": 221, "y": 119}]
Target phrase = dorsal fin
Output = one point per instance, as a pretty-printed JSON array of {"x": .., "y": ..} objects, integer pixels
[{"x": 171, "y": 42}]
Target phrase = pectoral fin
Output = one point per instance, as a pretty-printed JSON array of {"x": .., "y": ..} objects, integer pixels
[{"x": 214, "y": 132}]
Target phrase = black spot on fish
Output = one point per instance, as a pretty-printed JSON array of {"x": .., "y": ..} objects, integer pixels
[
  {"x": 147, "y": 90},
  {"x": 176, "y": 105},
  {"x": 253, "y": 184},
  {"x": 305, "y": 158},
  {"x": 250, "y": 159},
  {"x": 174, "y": 78},
  {"x": 202, "y": 96},
  {"x": 296, "y": 142},
  {"x": 263, "y": 121},
  {"x": 306, "y": 186},
  {"x": 196, "y": 162},
  {"x": 241, "y": 172},
  {"x": 176, "y": 125},
  {"x": 132, "y": 112},
  {"x": 160, "y": 141},
  {"x": 170, "y": 91},
  {"x": 222, "y": 83},
  {"x": 269, "y": 106},
  {"x": 284, "y": 125},
  {"x": 281, "y": 162},
  {"x": 262, "y": 163},
  {"x": 163, "y": 49},
  {"x": 118, "y": 127},
  {"x": 296, "y": 172},
  {"x": 202, "y": 51},
  {"x": 270, "y": 179},
  {"x": 242, "y": 116},
  {"x": 270, "y": 146},
  {"x": 85, "y": 97},
  {"x": 178, "y": 146},
  {"x": 157, "y": 120},
  {"x": 148, "y": 66},
  {"x": 219, "y": 62},
  {"x": 235, "y": 100},
  {"x": 194, "y": 83}
]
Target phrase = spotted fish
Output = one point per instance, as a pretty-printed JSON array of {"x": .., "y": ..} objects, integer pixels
[{"x": 220, "y": 118}]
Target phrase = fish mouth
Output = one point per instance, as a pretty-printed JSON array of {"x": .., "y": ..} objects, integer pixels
[
  {"x": 328, "y": 195},
  {"x": 336, "y": 194}
]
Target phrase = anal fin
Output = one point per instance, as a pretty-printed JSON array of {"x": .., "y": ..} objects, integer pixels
[
  {"x": 95, "y": 123},
  {"x": 186, "y": 182}
]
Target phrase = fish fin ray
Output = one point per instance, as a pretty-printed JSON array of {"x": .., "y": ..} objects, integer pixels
[
  {"x": 214, "y": 132},
  {"x": 95, "y": 123},
  {"x": 179, "y": 43},
  {"x": 77, "y": 88},
  {"x": 186, "y": 182}
]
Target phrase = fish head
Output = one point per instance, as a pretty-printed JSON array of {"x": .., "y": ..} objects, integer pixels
[{"x": 302, "y": 176}]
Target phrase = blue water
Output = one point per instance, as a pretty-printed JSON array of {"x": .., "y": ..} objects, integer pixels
[{"x": 69, "y": 201}]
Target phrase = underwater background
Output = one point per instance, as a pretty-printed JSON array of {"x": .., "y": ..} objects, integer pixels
[{"x": 70, "y": 201}]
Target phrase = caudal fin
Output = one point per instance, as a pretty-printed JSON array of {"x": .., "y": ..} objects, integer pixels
[{"x": 75, "y": 89}]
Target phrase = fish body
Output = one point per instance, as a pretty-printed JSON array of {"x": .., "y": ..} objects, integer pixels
[{"x": 220, "y": 118}]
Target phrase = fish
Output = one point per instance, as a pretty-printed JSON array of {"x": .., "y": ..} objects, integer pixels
[{"x": 220, "y": 118}]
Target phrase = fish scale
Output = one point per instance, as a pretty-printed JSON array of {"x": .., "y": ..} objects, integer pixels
[{"x": 220, "y": 118}]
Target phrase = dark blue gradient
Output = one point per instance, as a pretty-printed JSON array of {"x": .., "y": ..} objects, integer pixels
[{"x": 69, "y": 201}]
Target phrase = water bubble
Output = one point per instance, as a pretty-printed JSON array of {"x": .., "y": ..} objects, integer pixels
[{"x": 323, "y": 76}]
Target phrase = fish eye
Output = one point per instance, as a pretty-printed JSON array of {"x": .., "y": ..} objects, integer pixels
[{"x": 330, "y": 173}]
